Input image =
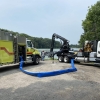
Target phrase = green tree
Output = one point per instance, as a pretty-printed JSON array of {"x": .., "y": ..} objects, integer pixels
[{"x": 91, "y": 24}]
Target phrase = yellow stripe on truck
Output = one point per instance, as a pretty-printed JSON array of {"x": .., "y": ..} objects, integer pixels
[{"x": 6, "y": 51}]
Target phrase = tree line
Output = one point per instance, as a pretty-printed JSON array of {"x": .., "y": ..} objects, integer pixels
[{"x": 38, "y": 42}]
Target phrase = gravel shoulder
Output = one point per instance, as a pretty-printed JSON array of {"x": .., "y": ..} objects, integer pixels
[{"x": 84, "y": 84}]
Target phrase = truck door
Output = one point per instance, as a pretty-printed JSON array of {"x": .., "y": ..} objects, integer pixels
[{"x": 98, "y": 49}]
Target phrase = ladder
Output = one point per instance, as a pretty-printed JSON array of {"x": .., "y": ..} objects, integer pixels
[{"x": 15, "y": 45}]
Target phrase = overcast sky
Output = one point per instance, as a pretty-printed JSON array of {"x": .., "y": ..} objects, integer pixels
[{"x": 42, "y": 18}]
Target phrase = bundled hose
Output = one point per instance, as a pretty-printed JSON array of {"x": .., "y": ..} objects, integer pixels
[{"x": 45, "y": 74}]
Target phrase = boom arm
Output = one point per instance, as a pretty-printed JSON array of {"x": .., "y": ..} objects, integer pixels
[{"x": 65, "y": 41}]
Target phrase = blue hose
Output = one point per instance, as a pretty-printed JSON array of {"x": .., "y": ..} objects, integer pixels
[{"x": 45, "y": 74}]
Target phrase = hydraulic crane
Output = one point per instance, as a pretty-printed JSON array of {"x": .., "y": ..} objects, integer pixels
[{"x": 64, "y": 54}]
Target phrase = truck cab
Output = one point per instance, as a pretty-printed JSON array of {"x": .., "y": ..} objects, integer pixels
[
  {"x": 90, "y": 52},
  {"x": 32, "y": 53},
  {"x": 30, "y": 47}
]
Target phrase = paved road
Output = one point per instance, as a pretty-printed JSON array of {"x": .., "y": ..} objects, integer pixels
[{"x": 81, "y": 85}]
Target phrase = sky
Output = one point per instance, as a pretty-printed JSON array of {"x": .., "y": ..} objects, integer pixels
[{"x": 42, "y": 18}]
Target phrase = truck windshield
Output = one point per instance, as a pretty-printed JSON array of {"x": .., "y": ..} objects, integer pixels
[{"x": 29, "y": 43}]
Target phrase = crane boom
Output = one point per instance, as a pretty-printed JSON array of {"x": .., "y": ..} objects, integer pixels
[
  {"x": 65, "y": 42},
  {"x": 64, "y": 54}
]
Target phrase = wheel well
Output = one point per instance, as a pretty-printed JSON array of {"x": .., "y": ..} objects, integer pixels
[{"x": 36, "y": 56}]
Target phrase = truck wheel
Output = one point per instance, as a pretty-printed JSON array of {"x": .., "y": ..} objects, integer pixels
[
  {"x": 36, "y": 60},
  {"x": 60, "y": 59},
  {"x": 66, "y": 59}
]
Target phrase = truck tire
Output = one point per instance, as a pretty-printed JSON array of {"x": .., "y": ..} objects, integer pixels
[
  {"x": 60, "y": 59},
  {"x": 66, "y": 59},
  {"x": 36, "y": 60}
]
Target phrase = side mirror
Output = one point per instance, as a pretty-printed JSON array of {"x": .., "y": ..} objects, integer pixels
[{"x": 32, "y": 45}]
